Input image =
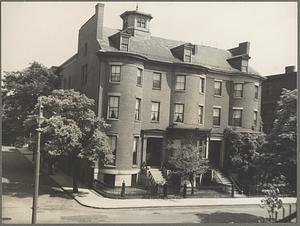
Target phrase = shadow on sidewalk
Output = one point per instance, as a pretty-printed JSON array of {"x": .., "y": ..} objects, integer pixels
[
  {"x": 225, "y": 217},
  {"x": 18, "y": 177}
]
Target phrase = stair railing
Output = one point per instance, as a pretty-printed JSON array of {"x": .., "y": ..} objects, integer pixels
[
  {"x": 151, "y": 181},
  {"x": 237, "y": 185}
]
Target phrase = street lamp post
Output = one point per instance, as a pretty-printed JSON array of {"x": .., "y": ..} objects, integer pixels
[{"x": 37, "y": 166}]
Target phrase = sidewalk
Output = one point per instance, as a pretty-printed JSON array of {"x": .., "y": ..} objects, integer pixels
[{"x": 90, "y": 198}]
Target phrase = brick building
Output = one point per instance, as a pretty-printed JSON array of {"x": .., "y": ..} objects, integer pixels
[
  {"x": 271, "y": 91},
  {"x": 155, "y": 91}
]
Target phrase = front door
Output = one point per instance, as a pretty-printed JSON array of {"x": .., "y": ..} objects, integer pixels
[
  {"x": 214, "y": 153},
  {"x": 154, "y": 150}
]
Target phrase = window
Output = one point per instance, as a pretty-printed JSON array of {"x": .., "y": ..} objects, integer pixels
[
  {"x": 135, "y": 150},
  {"x": 156, "y": 80},
  {"x": 187, "y": 55},
  {"x": 200, "y": 113},
  {"x": 84, "y": 75},
  {"x": 216, "y": 116},
  {"x": 244, "y": 66},
  {"x": 238, "y": 90},
  {"x": 124, "y": 43},
  {"x": 139, "y": 77},
  {"x": 141, "y": 23},
  {"x": 237, "y": 117},
  {"x": 137, "y": 115},
  {"x": 115, "y": 75},
  {"x": 255, "y": 118},
  {"x": 112, "y": 140},
  {"x": 179, "y": 112},
  {"x": 85, "y": 49},
  {"x": 256, "y": 91},
  {"x": 218, "y": 88},
  {"x": 155, "y": 111},
  {"x": 180, "y": 82},
  {"x": 202, "y": 85},
  {"x": 113, "y": 107}
]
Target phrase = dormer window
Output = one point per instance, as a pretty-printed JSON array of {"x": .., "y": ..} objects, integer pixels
[
  {"x": 187, "y": 55},
  {"x": 184, "y": 52},
  {"x": 124, "y": 43}
]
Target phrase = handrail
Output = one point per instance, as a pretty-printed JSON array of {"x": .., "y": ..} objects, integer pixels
[
  {"x": 289, "y": 218},
  {"x": 237, "y": 185},
  {"x": 151, "y": 179}
]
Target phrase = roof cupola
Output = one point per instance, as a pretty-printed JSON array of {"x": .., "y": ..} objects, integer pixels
[{"x": 136, "y": 23}]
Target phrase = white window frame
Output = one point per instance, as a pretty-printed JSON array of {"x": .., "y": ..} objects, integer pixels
[{"x": 200, "y": 84}]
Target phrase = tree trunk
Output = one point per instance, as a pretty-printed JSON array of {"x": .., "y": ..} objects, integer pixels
[
  {"x": 191, "y": 177},
  {"x": 75, "y": 173}
]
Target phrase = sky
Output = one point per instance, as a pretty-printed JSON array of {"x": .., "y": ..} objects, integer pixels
[{"x": 47, "y": 32}]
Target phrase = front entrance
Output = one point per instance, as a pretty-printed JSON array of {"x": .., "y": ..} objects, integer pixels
[
  {"x": 153, "y": 151},
  {"x": 214, "y": 153}
]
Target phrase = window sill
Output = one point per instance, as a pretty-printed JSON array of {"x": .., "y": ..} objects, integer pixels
[
  {"x": 216, "y": 126},
  {"x": 154, "y": 121},
  {"x": 180, "y": 123},
  {"x": 256, "y": 99},
  {"x": 138, "y": 85},
  {"x": 134, "y": 166},
  {"x": 110, "y": 166},
  {"x": 115, "y": 83},
  {"x": 113, "y": 119},
  {"x": 238, "y": 97},
  {"x": 202, "y": 93},
  {"x": 137, "y": 121},
  {"x": 180, "y": 90},
  {"x": 218, "y": 96},
  {"x": 156, "y": 88}
]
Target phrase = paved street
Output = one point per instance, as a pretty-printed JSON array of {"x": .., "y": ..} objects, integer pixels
[{"x": 57, "y": 207}]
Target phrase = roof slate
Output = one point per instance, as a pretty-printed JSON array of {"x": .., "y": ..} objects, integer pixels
[{"x": 159, "y": 49}]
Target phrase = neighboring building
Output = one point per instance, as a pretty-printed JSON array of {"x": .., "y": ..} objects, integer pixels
[
  {"x": 155, "y": 91},
  {"x": 271, "y": 91}
]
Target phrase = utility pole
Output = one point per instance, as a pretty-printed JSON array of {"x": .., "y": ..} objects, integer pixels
[{"x": 37, "y": 164}]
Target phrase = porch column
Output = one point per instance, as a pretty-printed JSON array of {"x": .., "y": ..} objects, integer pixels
[
  {"x": 207, "y": 147},
  {"x": 222, "y": 154},
  {"x": 144, "y": 149}
]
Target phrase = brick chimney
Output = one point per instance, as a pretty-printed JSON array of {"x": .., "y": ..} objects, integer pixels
[
  {"x": 99, "y": 14},
  {"x": 289, "y": 69}
]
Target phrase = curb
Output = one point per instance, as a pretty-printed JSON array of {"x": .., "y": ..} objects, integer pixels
[{"x": 132, "y": 207}]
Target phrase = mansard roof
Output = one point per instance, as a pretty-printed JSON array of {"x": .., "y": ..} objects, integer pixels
[{"x": 159, "y": 49}]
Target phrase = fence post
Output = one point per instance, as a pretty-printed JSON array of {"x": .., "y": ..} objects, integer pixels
[
  {"x": 165, "y": 190},
  {"x": 123, "y": 189},
  {"x": 283, "y": 212},
  {"x": 184, "y": 190},
  {"x": 290, "y": 209},
  {"x": 276, "y": 215},
  {"x": 156, "y": 189},
  {"x": 232, "y": 190}
]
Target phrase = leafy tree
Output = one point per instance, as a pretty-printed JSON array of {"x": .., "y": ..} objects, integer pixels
[
  {"x": 71, "y": 128},
  {"x": 244, "y": 153},
  {"x": 281, "y": 147},
  {"x": 20, "y": 91},
  {"x": 186, "y": 161}
]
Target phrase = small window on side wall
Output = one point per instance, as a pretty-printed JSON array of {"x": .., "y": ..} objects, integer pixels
[
  {"x": 112, "y": 140},
  {"x": 218, "y": 88},
  {"x": 139, "y": 76},
  {"x": 156, "y": 80}
]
